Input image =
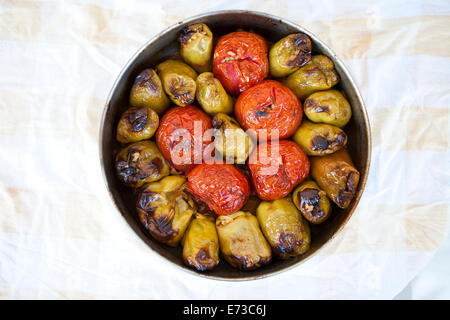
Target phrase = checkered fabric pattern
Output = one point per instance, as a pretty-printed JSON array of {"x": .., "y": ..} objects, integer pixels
[{"x": 60, "y": 235}]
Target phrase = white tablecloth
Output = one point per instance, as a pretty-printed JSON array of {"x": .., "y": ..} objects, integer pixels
[{"x": 60, "y": 235}]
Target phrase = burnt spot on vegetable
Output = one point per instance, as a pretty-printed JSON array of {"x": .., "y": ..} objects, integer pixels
[
  {"x": 126, "y": 172},
  {"x": 216, "y": 123},
  {"x": 146, "y": 79},
  {"x": 182, "y": 89},
  {"x": 196, "y": 46},
  {"x": 284, "y": 227},
  {"x": 138, "y": 119},
  {"x": 265, "y": 110},
  {"x": 201, "y": 244},
  {"x": 247, "y": 264},
  {"x": 302, "y": 51},
  {"x": 317, "y": 108},
  {"x": 241, "y": 241},
  {"x": 155, "y": 166},
  {"x": 287, "y": 243},
  {"x": 261, "y": 113},
  {"x": 186, "y": 35},
  {"x": 319, "y": 139},
  {"x": 144, "y": 201},
  {"x": 329, "y": 107},
  {"x": 203, "y": 258},
  {"x": 347, "y": 194},
  {"x": 319, "y": 143},
  {"x": 344, "y": 197},
  {"x": 140, "y": 163},
  {"x": 137, "y": 124},
  {"x": 352, "y": 181},
  {"x": 309, "y": 200},
  {"x": 163, "y": 209},
  {"x": 159, "y": 225},
  {"x": 316, "y": 75},
  {"x": 339, "y": 139}
]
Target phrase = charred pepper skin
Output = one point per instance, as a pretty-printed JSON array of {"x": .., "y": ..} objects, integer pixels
[
  {"x": 165, "y": 209},
  {"x": 148, "y": 92},
  {"x": 137, "y": 124},
  {"x": 329, "y": 106},
  {"x": 284, "y": 228},
  {"x": 242, "y": 243},
  {"x": 318, "y": 139},
  {"x": 201, "y": 244},
  {"x": 289, "y": 54},
  {"x": 196, "y": 42},
  {"x": 240, "y": 61},
  {"x": 312, "y": 202},
  {"x": 139, "y": 163},
  {"x": 178, "y": 80},
  {"x": 318, "y": 74}
]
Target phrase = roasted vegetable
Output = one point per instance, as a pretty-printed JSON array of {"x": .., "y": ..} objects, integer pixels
[
  {"x": 137, "y": 124},
  {"x": 201, "y": 243},
  {"x": 289, "y": 54},
  {"x": 147, "y": 91},
  {"x": 241, "y": 241},
  {"x": 337, "y": 176},
  {"x": 270, "y": 110},
  {"x": 317, "y": 74},
  {"x": 285, "y": 229},
  {"x": 211, "y": 96},
  {"x": 177, "y": 137},
  {"x": 178, "y": 80},
  {"x": 328, "y": 106},
  {"x": 312, "y": 202},
  {"x": 139, "y": 163},
  {"x": 230, "y": 140},
  {"x": 223, "y": 187},
  {"x": 240, "y": 61},
  {"x": 318, "y": 139},
  {"x": 196, "y": 46},
  {"x": 165, "y": 209},
  {"x": 275, "y": 172}
]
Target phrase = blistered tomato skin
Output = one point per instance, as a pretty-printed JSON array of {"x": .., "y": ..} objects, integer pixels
[
  {"x": 274, "y": 176},
  {"x": 269, "y": 105},
  {"x": 223, "y": 187},
  {"x": 240, "y": 61},
  {"x": 183, "y": 119}
]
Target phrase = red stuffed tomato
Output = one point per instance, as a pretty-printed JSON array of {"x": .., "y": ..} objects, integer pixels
[
  {"x": 274, "y": 176},
  {"x": 181, "y": 144},
  {"x": 222, "y": 187},
  {"x": 269, "y": 106},
  {"x": 240, "y": 61}
]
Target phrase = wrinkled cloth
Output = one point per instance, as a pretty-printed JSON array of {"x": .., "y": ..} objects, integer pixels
[{"x": 60, "y": 234}]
